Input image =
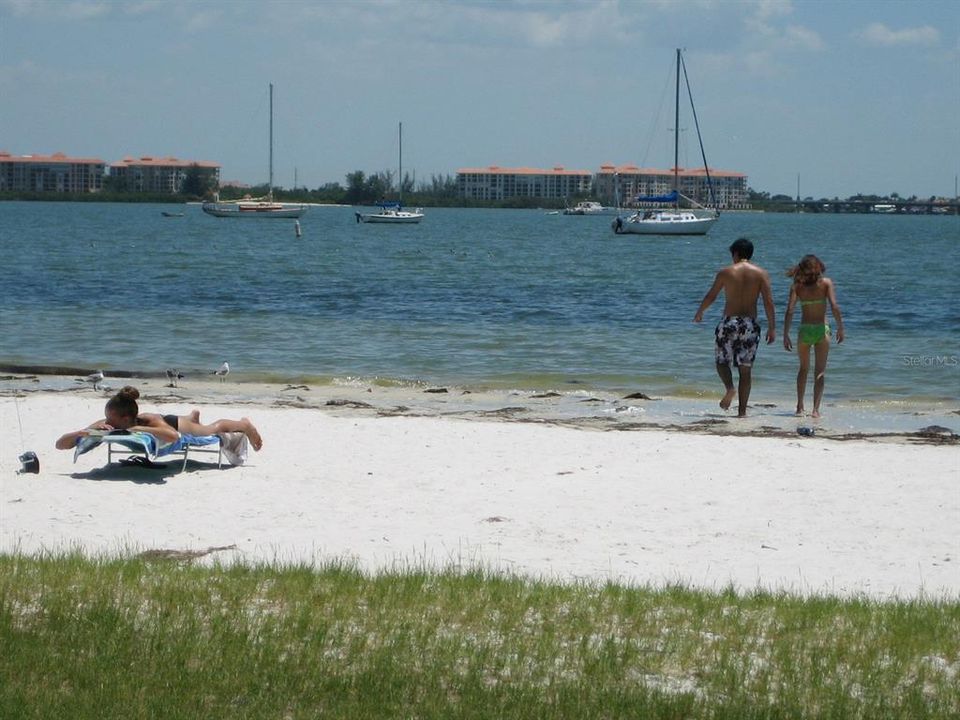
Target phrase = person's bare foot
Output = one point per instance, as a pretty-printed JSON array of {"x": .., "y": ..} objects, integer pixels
[
  {"x": 728, "y": 399},
  {"x": 800, "y": 411},
  {"x": 194, "y": 416},
  {"x": 252, "y": 435},
  {"x": 815, "y": 414}
]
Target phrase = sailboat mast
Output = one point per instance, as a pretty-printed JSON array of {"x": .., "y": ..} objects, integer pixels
[
  {"x": 270, "y": 186},
  {"x": 676, "y": 137},
  {"x": 401, "y": 164}
]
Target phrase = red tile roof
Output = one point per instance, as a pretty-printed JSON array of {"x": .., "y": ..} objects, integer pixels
[
  {"x": 162, "y": 162},
  {"x": 497, "y": 170},
  {"x": 685, "y": 172},
  {"x": 57, "y": 157}
]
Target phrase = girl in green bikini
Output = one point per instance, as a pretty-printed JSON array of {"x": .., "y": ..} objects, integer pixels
[{"x": 812, "y": 291}]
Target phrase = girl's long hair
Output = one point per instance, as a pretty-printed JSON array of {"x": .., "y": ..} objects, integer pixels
[{"x": 808, "y": 271}]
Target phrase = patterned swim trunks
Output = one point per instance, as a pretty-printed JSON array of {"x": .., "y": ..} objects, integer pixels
[{"x": 738, "y": 338}]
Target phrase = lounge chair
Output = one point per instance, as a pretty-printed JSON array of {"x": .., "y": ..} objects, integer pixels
[{"x": 146, "y": 450}]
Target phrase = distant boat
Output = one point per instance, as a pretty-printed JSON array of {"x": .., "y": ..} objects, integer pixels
[
  {"x": 253, "y": 207},
  {"x": 393, "y": 213},
  {"x": 166, "y": 213},
  {"x": 672, "y": 220},
  {"x": 265, "y": 207},
  {"x": 589, "y": 207}
]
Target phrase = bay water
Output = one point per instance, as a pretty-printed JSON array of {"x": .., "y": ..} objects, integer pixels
[{"x": 476, "y": 299}]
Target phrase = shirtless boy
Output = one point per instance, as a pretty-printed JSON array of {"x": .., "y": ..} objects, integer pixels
[{"x": 738, "y": 333}]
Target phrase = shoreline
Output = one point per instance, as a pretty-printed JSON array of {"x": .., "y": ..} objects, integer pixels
[
  {"x": 349, "y": 482},
  {"x": 930, "y": 421}
]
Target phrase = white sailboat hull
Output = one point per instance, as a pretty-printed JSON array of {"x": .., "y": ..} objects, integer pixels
[
  {"x": 254, "y": 209},
  {"x": 391, "y": 217},
  {"x": 664, "y": 222}
]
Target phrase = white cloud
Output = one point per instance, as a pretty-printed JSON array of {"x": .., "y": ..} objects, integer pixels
[
  {"x": 759, "y": 64},
  {"x": 766, "y": 19},
  {"x": 144, "y": 7},
  {"x": 879, "y": 34},
  {"x": 203, "y": 20},
  {"x": 75, "y": 10},
  {"x": 544, "y": 25},
  {"x": 803, "y": 38},
  {"x": 764, "y": 13}
]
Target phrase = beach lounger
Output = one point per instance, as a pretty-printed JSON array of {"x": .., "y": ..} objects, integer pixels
[{"x": 145, "y": 447}]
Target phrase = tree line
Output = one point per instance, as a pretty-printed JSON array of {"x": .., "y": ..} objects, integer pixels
[{"x": 361, "y": 188}]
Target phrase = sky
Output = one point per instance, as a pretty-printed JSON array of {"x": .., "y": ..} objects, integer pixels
[{"x": 840, "y": 97}]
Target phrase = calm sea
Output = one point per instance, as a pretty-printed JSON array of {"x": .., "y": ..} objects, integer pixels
[{"x": 470, "y": 298}]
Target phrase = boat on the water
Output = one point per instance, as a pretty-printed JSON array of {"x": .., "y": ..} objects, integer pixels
[
  {"x": 589, "y": 207},
  {"x": 254, "y": 207},
  {"x": 263, "y": 207},
  {"x": 672, "y": 220},
  {"x": 393, "y": 213},
  {"x": 664, "y": 222},
  {"x": 167, "y": 213}
]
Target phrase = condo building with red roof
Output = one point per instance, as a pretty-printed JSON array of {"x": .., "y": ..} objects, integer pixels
[
  {"x": 613, "y": 184},
  {"x": 159, "y": 175},
  {"x": 60, "y": 173},
  {"x": 50, "y": 173},
  {"x": 730, "y": 190},
  {"x": 498, "y": 183}
]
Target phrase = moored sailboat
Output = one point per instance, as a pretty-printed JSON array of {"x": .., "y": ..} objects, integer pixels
[
  {"x": 265, "y": 207},
  {"x": 673, "y": 220},
  {"x": 393, "y": 213}
]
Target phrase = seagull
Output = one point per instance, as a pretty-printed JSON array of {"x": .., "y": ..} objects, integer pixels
[
  {"x": 222, "y": 371},
  {"x": 173, "y": 376},
  {"x": 95, "y": 378}
]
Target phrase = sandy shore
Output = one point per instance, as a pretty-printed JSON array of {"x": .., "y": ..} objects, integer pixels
[{"x": 805, "y": 514}]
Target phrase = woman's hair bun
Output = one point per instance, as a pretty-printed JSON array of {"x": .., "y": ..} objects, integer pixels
[{"x": 129, "y": 391}]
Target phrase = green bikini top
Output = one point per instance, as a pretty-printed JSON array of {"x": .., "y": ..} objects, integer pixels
[{"x": 818, "y": 301}]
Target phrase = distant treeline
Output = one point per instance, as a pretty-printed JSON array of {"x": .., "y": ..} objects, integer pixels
[
  {"x": 364, "y": 189},
  {"x": 784, "y": 203}
]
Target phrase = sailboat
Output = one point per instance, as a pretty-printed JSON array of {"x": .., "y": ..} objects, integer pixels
[
  {"x": 673, "y": 220},
  {"x": 393, "y": 213},
  {"x": 265, "y": 207}
]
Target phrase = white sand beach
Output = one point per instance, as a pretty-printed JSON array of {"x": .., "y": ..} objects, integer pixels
[{"x": 809, "y": 515}]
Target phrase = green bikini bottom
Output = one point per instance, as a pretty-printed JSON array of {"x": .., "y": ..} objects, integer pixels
[{"x": 812, "y": 334}]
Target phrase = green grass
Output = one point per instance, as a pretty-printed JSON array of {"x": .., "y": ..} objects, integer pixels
[{"x": 139, "y": 638}]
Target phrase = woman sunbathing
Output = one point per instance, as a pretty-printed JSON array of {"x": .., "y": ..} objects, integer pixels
[{"x": 123, "y": 413}]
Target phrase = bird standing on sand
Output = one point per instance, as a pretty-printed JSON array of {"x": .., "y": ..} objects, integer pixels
[
  {"x": 173, "y": 376},
  {"x": 222, "y": 371},
  {"x": 95, "y": 378}
]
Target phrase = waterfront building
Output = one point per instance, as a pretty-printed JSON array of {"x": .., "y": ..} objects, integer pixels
[
  {"x": 729, "y": 188},
  {"x": 498, "y": 183},
  {"x": 159, "y": 175},
  {"x": 56, "y": 173}
]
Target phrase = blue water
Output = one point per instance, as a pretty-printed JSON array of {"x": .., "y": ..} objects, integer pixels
[{"x": 472, "y": 298}]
